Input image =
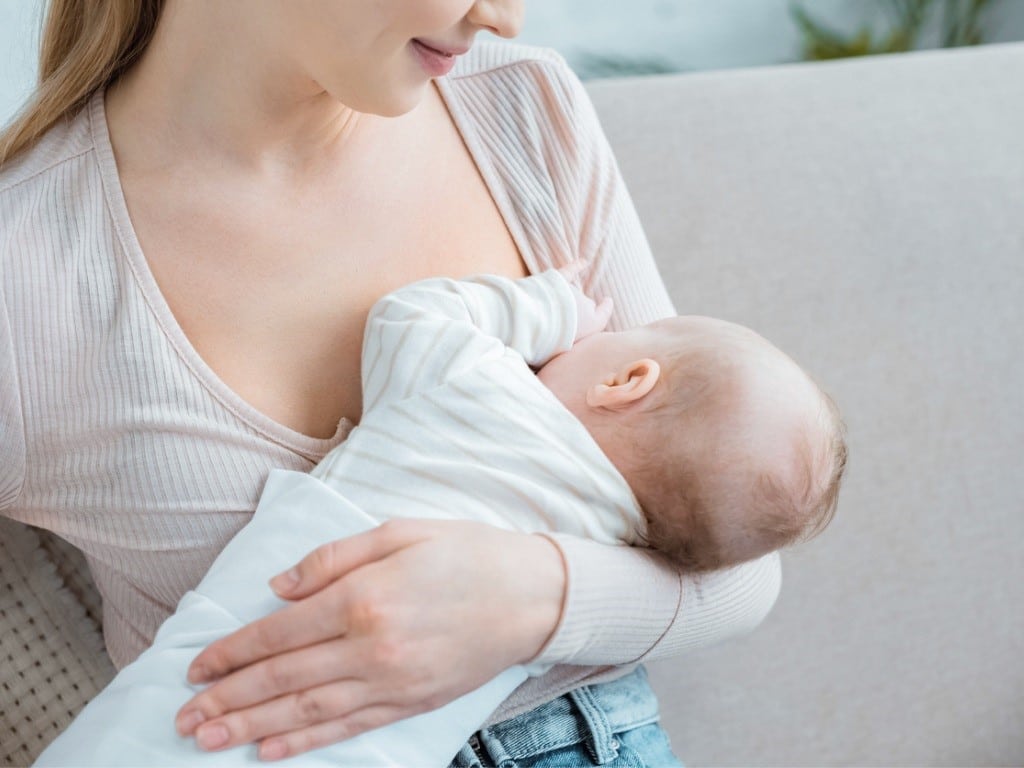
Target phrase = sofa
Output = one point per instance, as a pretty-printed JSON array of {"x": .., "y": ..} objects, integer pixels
[{"x": 868, "y": 217}]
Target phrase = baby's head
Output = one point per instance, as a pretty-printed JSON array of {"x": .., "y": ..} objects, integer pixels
[{"x": 729, "y": 446}]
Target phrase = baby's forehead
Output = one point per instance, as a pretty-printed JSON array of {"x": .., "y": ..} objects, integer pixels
[
  {"x": 740, "y": 364},
  {"x": 700, "y": 329},
  {"x": 699, "y": 339}
]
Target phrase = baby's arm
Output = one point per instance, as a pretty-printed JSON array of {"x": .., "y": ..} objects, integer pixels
[{"x": 432, "y": 331}]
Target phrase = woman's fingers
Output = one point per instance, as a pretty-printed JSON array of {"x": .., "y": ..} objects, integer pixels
[
  {"x": 325, "y": 614},
  {"x": 289, "y": 713},
  {"x": 331, "y": 561},
  {"x": 269, "y": 679},
  {"x": 396, "y": 623},
  {"x": 295, "y": 626},
  {"x": 314, "y": 737}
]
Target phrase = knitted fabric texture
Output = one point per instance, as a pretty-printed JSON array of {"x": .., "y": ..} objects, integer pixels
[{"x": 51, "y": 645}]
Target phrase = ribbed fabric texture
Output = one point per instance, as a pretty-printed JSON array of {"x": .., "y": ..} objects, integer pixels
[{"x": 117, "y": 436}]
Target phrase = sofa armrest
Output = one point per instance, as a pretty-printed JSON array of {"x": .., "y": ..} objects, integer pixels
[{"x": 52, "y": 658}]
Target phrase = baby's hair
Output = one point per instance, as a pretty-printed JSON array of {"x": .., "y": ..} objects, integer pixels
[
  {"x": 835, "y": 455},
  {"x": 700, "y": 521}
]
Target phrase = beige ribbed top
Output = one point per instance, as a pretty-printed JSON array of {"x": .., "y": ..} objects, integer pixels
[{"x": 115, "y": 434}]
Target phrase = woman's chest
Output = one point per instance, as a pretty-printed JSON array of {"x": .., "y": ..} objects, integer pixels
[
  {"x": 128, "y": 448},
  {"x": 273, "y": 294}
]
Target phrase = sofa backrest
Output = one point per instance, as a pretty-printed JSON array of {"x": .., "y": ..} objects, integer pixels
[{"x": 868, "y": 217}]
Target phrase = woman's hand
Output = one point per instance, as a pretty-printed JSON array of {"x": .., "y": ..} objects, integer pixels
[{"x": 384, "y": 625}]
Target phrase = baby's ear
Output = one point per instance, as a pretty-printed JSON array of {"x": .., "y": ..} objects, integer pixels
[{"x": 629, "y": 385}]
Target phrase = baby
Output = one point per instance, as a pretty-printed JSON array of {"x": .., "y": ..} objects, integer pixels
[
  {"x": 728, "y": 448},
  {"x": 731, "y": 449},
  {"x": 690, "y": 435}
]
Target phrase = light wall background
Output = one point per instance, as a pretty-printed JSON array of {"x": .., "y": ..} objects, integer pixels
[
  {"x": 715, "y": 34},
  {"x": 19, "y": 40},
  {"x": 679, "y": 35}
]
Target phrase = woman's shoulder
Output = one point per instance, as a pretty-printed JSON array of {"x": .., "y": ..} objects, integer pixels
[
  {"x": 525, "y": 104},
  {"x": 529, "y": 82},
  {"x": 47, "y": 187},
  {"x": 63, "y": 142},
  {"x": 530, "y": 122},
  {"x": 488, "y": 56}
]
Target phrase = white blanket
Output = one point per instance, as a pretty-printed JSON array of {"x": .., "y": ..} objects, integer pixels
[{"x": 131, "y": 722}]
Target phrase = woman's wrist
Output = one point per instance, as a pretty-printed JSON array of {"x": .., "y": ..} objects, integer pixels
[
  {"x": 619, "y": 603},
  {"x": 543, "y": 583}
]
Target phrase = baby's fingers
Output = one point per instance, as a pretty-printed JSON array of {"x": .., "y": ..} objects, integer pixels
[
  {"x": 573, "y": 269},
  {"x": 603, "y": 313},
  {"x": 591, "y": 317}
]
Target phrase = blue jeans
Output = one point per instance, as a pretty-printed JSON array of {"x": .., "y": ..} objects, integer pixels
[{"x": 613, "y": 724}]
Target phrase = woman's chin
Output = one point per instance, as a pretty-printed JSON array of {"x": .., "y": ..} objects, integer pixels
[
  {"x": 399, "y": 101},
  {"x": 398, "y": 108}
]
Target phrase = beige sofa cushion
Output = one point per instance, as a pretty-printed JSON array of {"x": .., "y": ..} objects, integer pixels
[{"x": 868, "y": 216}]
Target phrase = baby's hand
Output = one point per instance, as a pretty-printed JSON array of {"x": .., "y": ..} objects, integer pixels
[{"x": 591, "y": 317}]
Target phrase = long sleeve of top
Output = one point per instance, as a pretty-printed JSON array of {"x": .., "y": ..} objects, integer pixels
[{"x": 12, "y": 431}]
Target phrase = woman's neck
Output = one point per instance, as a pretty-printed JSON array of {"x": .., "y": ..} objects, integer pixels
[{"x": 207, "y": 90}]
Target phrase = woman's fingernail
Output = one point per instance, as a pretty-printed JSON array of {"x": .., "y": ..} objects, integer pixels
[
  {"x": 212, "y": 736},
  {"x": 189, "y": 720},
  {"x": 198, "y": 674},
  {"x": 285, "y": 582},
  {"x": 273, "y": 749}
]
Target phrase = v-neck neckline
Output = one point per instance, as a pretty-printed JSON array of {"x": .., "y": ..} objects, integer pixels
[{"x": 313, "y": 448}]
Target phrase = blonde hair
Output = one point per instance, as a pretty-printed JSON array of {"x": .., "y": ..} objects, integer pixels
[{"x": 86, "y": 44}]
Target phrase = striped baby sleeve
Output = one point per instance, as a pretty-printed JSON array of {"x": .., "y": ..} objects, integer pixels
[{"x": 432, "y": 331}]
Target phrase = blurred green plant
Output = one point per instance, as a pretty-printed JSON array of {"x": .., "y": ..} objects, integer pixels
[
  {"x": 961, "y": 23},
  {"x": 591, "y": 66}
]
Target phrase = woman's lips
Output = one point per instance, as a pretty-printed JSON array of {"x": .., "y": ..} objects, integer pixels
[{"x": 436, "y": 63}]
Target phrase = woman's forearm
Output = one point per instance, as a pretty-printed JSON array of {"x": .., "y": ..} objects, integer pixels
[{"x": 625, "y": 604}]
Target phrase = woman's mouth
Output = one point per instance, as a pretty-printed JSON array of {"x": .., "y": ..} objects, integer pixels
[{"x": 436, "y": 63}]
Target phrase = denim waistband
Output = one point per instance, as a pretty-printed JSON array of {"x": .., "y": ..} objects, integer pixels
[{"x": 591, "y": 715}]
